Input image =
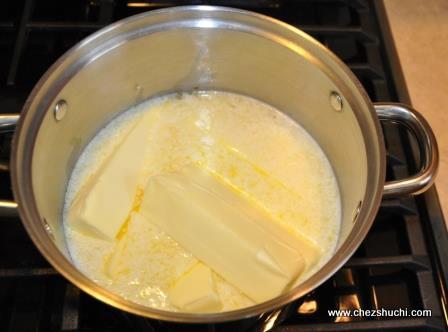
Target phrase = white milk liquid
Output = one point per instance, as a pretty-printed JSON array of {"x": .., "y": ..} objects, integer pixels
[{"x": 185, "y": 128}]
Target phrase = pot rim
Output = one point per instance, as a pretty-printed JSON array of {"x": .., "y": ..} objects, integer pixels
[{"x": 22, "y": 185}]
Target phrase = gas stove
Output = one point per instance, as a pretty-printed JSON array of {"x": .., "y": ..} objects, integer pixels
[{"x": 402, "y": 263}]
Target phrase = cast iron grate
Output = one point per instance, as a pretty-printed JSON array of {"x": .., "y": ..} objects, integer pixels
[{"x": 395, "y": 267}]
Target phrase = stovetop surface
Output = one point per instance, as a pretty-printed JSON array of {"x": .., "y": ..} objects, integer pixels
[{"x": 400, "y": 264}]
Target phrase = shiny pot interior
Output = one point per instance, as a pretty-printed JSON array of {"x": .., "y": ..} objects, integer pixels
[{"x": 186, "y": 49}]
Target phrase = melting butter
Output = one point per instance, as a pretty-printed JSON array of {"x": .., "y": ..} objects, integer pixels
[
  {"x": 103, "y": 204},
  {"x": 227, "y": 232},
  {"x": 195, "y": 291},
  {"x": 256, "y": 151}
]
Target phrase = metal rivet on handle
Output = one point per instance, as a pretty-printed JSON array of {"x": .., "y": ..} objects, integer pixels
[
  {"x": 336, "y": 101},
  {"x": 60, "y": 109}
]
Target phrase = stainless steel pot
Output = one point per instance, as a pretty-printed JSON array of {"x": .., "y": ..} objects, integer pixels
[{"x": 201, "y": 47}]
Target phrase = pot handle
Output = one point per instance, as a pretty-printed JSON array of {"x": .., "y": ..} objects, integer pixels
[
  {"x": 418, "y": 183},
  {"x": 8, "y": 124},
  {"x": 429, "y": 153}
]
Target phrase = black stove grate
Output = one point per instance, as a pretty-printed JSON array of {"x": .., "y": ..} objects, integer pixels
[{"x": 397, "y": 266}]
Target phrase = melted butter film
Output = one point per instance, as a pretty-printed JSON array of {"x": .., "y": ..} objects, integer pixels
[{"x": 260, "y": 151}]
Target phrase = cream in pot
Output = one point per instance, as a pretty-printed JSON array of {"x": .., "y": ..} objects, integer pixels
[{"x": 270, "y": 162}]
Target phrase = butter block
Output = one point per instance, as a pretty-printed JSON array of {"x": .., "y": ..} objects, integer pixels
[
  {"x": 103, "y": 204},
  {"x": 264, "y": 190},
  {"x": 226, "y": 231},
  {"x": 195, "y": 291}
]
